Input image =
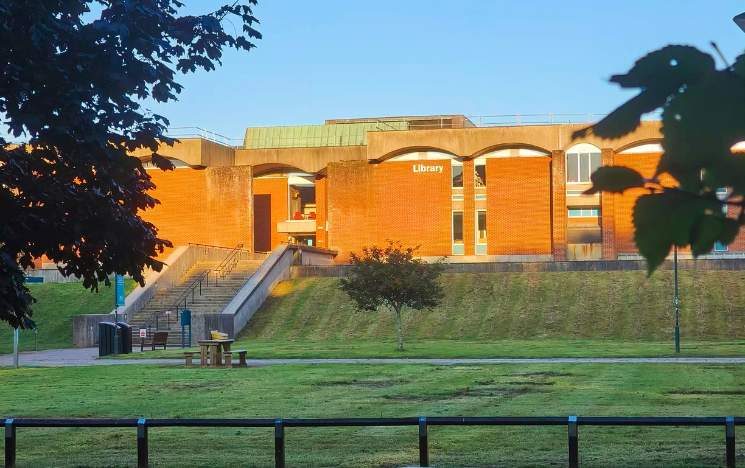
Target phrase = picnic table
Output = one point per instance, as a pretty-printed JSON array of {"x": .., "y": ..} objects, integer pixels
[{"x": 215, "y": 349}]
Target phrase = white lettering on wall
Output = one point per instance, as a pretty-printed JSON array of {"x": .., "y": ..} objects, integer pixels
[{"x": 423, "y": 168}]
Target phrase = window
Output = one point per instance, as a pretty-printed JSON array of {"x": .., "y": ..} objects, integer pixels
[
  {"x": 719, "y": 247},
  {"x": 479, "y": 174},
  {"x": 457, "y": 197},
  {"x": 457, "y": 169},
  {"x": 479, "y": 196},
  {"x": 458, "y": 248},
  {"x": 580, "y": 166},
  {"x": 584, "y": 212},
  {"x": 722, "y": 195}
]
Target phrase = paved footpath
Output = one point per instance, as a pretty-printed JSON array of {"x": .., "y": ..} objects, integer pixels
[{"x": 87, "y": 357}]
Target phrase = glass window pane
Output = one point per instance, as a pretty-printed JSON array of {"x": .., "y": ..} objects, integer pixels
[
  {"x": 575, "y": 213},
  {"x": 572, "y": 168},
  {"x": 457, "y": 227},
  {"x": 594, "y": 162},
  {"x": 481, "y": 227},
  {"x": 480, "y": 176},
  {"x": 719, "y": 247},
  {"x": 584, "y": 167},
  {"x": 457, "y": 176}
]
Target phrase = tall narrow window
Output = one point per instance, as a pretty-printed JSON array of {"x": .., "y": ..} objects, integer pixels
[
  {"x": 479, "y": 171},
  {"x": 481, "y": 233},
  {"x": 458, "y": 248},
  {"x": 457, "y": 168}
]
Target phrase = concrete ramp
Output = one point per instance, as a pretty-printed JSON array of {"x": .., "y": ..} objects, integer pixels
[{"x": 275, "y": 269}]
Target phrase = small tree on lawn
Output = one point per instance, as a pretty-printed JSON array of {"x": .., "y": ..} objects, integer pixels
[{"x": 391, "y": 277}]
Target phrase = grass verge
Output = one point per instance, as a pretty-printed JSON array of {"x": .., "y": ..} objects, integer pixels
[
  {"x": 56, "y": 304},
  {"x": 295, "y": 391}
]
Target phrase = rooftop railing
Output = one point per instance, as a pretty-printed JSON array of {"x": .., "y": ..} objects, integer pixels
[{"x": 390, "y": 124}]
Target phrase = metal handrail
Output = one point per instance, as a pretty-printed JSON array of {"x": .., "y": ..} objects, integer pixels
[
  {"x": 222, "y": 270},
  {"x": 422, "y": 423}
]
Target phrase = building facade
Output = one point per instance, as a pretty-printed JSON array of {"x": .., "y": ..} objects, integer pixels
[{"x": 468, "y": 193}]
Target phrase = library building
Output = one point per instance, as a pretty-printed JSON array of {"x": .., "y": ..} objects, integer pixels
[{"x": 459, "y": 190}]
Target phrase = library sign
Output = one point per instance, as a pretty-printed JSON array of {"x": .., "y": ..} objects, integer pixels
[{"x": 424, "y": 168}]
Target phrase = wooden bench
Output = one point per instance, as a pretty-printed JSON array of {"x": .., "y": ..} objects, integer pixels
[
  {"x": 159, "y": 339},
  {"x": 189, "y": 357},
  {"x": 241, "y": 357}
]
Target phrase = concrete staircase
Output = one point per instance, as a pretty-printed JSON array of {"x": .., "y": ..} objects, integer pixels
[{"x": 213, "y": 299}]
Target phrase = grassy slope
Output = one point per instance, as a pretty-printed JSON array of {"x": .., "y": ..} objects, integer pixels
[
  {"x": 53, "y": 311},
  {"x": 618, "y": 305},
  {"x": 376, "y": 391}
]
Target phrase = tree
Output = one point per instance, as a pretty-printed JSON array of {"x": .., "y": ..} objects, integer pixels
[
  {"x": 72, "y": 90},
  {"x": 391, "y": 277},
  {"x": 703, "y": 117}
]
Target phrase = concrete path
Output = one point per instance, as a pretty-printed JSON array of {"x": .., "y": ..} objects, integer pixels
[{"x": 87, "y": 357}]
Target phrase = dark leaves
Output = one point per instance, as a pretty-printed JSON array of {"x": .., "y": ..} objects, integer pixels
[
  {"x": 72, "y": 88},
  {"x": 614, "y": 180},
  {"x": 703, "y": 117}
]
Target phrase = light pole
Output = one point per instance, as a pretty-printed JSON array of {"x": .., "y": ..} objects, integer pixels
[
  {"x": 675, "y": 281},
  {"x": 740, "y": 21}
]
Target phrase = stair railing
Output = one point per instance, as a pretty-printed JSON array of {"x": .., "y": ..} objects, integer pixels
[
  {"x": 182, "y": 302},
  {"x": 227, "y": 265}
]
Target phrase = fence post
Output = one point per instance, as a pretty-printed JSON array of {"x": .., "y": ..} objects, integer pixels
[
  {"x": 279, "y": 444},
  {"x": 10, "y": 444},
  {"x": 142, "y": 458},
  {"x": 730, "y": 441},
  {"x": 423, "y": 445},
  {"x": 573, "y": 445}
]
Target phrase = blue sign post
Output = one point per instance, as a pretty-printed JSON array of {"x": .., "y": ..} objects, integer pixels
[
  {"x": 119, "y": 302},
  {"x": 119, "y": 290}
]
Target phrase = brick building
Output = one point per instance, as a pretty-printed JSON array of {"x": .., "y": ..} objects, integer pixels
[{"x": 505, "y": 193}]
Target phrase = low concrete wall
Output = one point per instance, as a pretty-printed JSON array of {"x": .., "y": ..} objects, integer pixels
[
  {"x": 85, "y": 329},
  {"x": 276, "y": 268},
  {"x": 51, "y": 275},
  {"x": 202, "y": 324},
  {"x": 505, "y": 267}
]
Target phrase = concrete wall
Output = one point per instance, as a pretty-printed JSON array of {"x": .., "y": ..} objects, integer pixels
[
  {"x": 85, "y": 329},
  {"x": 302, "y": 271},
  {"x": 51, "y": 275}
]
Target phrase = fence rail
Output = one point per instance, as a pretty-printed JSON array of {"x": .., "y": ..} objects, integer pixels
[{"x": 422, "y": 423}]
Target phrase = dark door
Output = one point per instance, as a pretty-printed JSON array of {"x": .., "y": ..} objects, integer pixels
[{"x": 262, "y": 223}]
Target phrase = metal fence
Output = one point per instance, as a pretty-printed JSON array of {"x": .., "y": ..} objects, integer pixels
[{"x": 422, "y": 423}]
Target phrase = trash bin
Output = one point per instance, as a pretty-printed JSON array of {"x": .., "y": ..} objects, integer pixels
[
  {"x": 125, "y": 338},
  {"x": 106, "y": 332}
]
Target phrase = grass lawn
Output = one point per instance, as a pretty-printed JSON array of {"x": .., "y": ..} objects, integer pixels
[
  {"x": 263, "y": 349},
  {"x": 56, "y": 304},
  {"x": 295, "y": 391}
]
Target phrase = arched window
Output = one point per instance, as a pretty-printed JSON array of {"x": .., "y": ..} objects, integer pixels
[{"x": 581, "y": 161}]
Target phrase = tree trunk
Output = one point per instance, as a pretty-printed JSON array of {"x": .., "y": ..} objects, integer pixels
[{"x": 399, "y": 330}]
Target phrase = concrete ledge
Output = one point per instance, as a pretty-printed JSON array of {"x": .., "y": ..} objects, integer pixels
[{"x": 302, "y": 271}]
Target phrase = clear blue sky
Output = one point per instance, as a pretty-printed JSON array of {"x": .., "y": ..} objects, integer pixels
[{"x": 332, "y": 59}]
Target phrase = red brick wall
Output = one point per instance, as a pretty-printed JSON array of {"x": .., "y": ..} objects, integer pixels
[
  {"x": 559, "y": 206},
  {"x": 469, "y": 209},
  {"x": 207, "y": 206},
  {"x": 321, "y": 238},
  {"x": 276, "y": 188},
  {"x": 518, "y": 212},
  {"x": 349, "y": 195},
  {"x": 414, "y": 207},
  {"x": 646, "y": 164},
  {"x": 608, "y": 213}
]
